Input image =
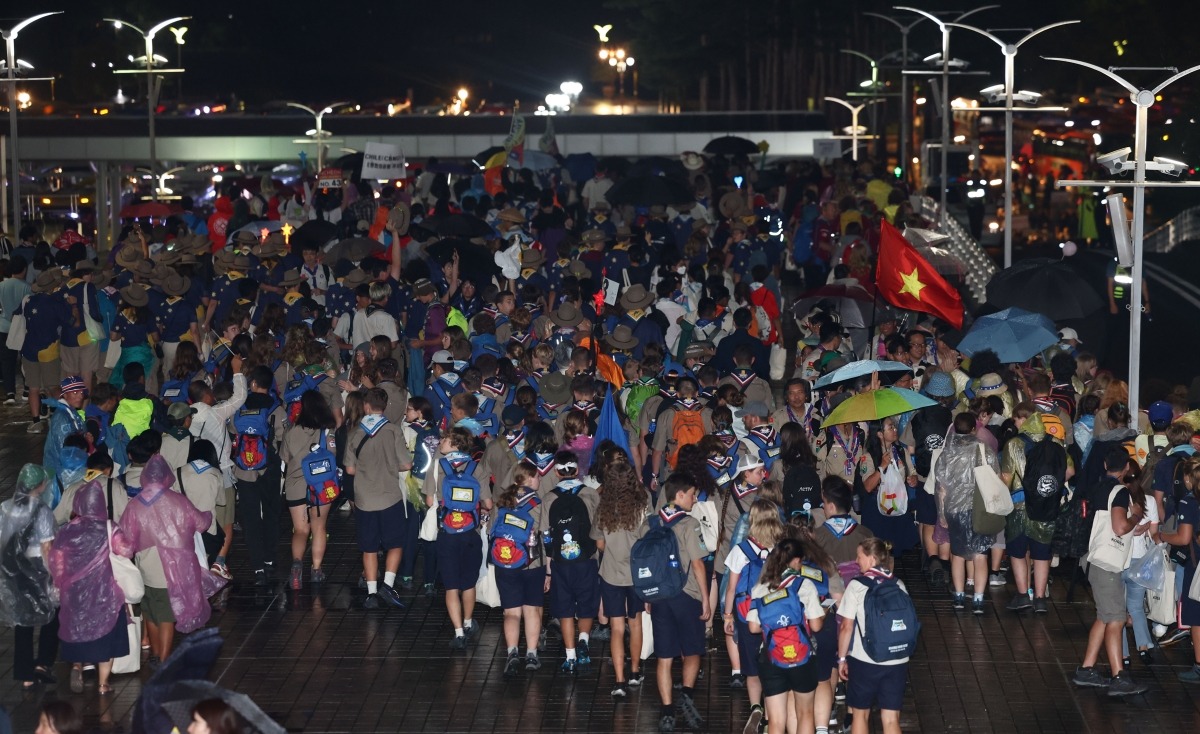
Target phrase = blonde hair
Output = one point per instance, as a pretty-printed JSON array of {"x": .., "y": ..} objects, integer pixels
[{"x": 765, "y": 526}]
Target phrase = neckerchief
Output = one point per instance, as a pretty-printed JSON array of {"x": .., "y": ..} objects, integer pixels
[
  {"x": 670, "y": 513},
  {"x": 525, "y": 495},
  {"x": 850, "y": 451},
  {"x": 471, "y": 425},
  {"x": 741, "y": 490},
  {"x": 586, "y": 406},
  {"x": 840, "y": 525},
  {"x": 728, "y": 438},
  {"x": 544, "y": 463},
  {"x": 766, "y": 433},
  {"x": 372, "y": 422},
  {"x": 689, "y": 404},
  {"x": 743, "y": 376},
  {"x": 570, "y": 485},
  {"x": 458, "y": 461},
  {"x": 806, "y": 420},
  {"x": 516, "y": 442}
]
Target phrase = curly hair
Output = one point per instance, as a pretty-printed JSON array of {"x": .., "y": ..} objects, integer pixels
[
  {"x": 623, "y": 500},
  {"x": 298, "y": 337},
  {"x": 694, "y": 459}
]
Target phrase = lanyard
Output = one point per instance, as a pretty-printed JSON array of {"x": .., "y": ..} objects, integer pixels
[{"x": 850, "y": 451}]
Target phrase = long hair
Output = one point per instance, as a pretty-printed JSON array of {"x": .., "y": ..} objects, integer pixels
[
  {"x": 800, "y": 528},
  {"x": 220, "y": 717},
  {"x": 782, "y": 555},
  {"x": 880, "y": 550},
  {"x": 187, "y": 362},
  {"x": 623, "y": 499},
  {"x": 522, "y": 472},
  {"x": 794, "y": 447},
  {"x": 354, "y": 410},
  {"x": 693, "y": 459},
  {"x": 539, "y": 438},
  {"x": 295, "y": 348},
  {"x": 315, "y": 412},
  {"x": 765, "y": 526}
]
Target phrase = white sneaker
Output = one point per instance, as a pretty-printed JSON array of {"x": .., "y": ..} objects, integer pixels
[
  {"x": 1159, "y": 630},
  {"x": 38, "y": 426},
  {"x": 996, "y": 579}
]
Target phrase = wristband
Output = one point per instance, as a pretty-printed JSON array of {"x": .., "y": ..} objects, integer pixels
[{"x": 841, "y": 660}]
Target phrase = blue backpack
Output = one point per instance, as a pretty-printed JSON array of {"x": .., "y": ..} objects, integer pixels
[
  {"x": 321, "y": 474},
  {"x": 890, "y": 624},
  {"x": 221, "y": 352},
  {"x": 459, "y": 512},
  {"x": 510, "y": 545},
  {"x": 784, "y": 626},
  {"x": 487, "y": 418},
  {"x": 117, "y": 441},
  {"x": 295, "y": 389},
  {"x": 767, "y": 444},
  {"x": 654, "y": 561},
  {"x": 748, "y": 578},
  {"x": 252, "y": 443},
  {"x": 175, "y": 391}
]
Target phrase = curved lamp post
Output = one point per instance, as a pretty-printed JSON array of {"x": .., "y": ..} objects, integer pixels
[{"x": 11, "y": 68}]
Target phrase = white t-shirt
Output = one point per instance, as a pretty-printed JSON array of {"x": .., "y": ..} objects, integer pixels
[
  {"x": 808, "y": 597},
  {"x": 851, "y": 607},
  {"x": 1141, "y": 543}
]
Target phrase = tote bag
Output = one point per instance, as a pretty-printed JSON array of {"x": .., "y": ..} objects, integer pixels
[
  {"x": 429, "y": 524},
  {"x": 132, "y": 662},
  {"x": 486, "y": 590},
  {"x": 18, "y": 328},
  {"x": 996, "y": 497},
  {"x": 1106, "y": 549},
  {"x": 95, "y": 329},
  {"x": 129, "y": 578}
]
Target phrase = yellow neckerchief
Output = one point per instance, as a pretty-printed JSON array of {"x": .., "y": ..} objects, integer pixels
[
  {"x": 600, "y": 218},
  {"x": 292, "y": 296},
  {"x": 527, "y": 273},
  {"x": 621, "y": 246},
  {"x": 636, "y": 314},
  {"x": 234, "y": 274},
  {"x": 172, "y": 300}
]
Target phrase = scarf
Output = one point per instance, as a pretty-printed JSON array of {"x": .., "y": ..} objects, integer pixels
[
  {"x": 841, "y": 525},
  {"x": 371, "y": 423}
]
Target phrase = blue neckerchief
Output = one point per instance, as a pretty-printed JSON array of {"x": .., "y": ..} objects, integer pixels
[
  {"x": 570, "y": 485},
  {"x": 516, "y": 442},
  {"x": 841, "y": 525},
  {"x": 471, "y": 425},
  {"x": 457, "y": 460},
  {"x": 371, "y": 423}
]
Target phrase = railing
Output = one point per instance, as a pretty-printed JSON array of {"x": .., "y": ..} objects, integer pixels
[
  {"x": 979, "y": 265},
  {"x": 1184, "y": 227}
]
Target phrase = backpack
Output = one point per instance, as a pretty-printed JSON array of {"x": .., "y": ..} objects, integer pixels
[
  {"x": 801, "y": 490},
  {"x": 570, "y": 527},
  {"x": 756, "y": 555},
  {"x": 929, "y": 426},
  {"x": 766, "y": 440},
  {"x": 175, "y": 391},
  {"x": 117, "y": 441},
  {"x": 252, "y": 443},
  {"x": 636, "y": 397},
  {"x": 1168, "y": 479},
  {"x": 1156, "y": 454},
  {"x": 686, "y": 428},
  {"x": 510, "y": 545},
  {"x": 455, "y": 317},
  {"x": 785, "y": 632},
  {"x": 890, "y": 627},
  {"x": 1044, "y": 480},
  {"x": 761, "y": 319},
  {"x": 295, "y": 389},
  {"x": 217, "y": 357},
  {"x": 321, "y": 474},
  {"x": 654, "y": 562},
  {"x": 459, "y": 512}
]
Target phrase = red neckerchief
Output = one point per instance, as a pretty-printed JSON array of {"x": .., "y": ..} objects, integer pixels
[
  {"x": 741, "y": 491},
  {"x": 743, "y": 377},
  {"x": 669, "y": 514}
]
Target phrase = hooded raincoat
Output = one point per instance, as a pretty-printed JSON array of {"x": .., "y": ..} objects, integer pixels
[
  {"x": 955, "y": 477},
  {"x": 27, "y": 594},
  {"x": 91, "y": 598}
]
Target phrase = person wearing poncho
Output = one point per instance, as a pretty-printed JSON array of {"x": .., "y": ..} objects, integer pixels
[{"x": 27, "y": 595}]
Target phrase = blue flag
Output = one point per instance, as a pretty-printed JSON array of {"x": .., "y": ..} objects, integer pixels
[{"x": 608, "y": 426}]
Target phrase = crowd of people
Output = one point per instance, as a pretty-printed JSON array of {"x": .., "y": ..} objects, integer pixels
[{"x": 542, "y": 402}]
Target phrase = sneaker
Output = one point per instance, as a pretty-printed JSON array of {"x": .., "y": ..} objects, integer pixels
[
  {"x": 960, "y": 602},
  {"x": 1089, "y": 678},
  {"x": 427, "y": 589},
  {"x": 636, "y": 678},
  {"x": 583, "y": 653},
  {"x": 997, "y": 579},
  {"x": 406, "y": 583},
  {"x": 1041, "y": 604},
  {"x": 316, "y": 575},
  {"x": 10, "y": 400},
  {"x": 221, "y": 570},
  {"x": 1159, "y": 630},
  {"x": 1175, "y": 637},
  {"x": 755, "y": 720},
  {"x": 390, "y": 595},
  {"x": 666, "y": 723},
  {"x": 362, "y": 581},
  {"x": 372, "y": 602},
  {"x": 690, "y": 712},
  {"x": 458, "y": 642},
  {"x": 1019, "y": 602},
  {"x": 938, "y": 578},
  {"x": 1191, "y": 675},
  {"x": 977, "y": 607},
  {"x": 620, "y": 690},
  {"x": 260, "y": 577},
  {"x": 839, "y": 693},
  {"x": 1123, "y": 684},
  {"x": 569, "y": 666},
  {"x": 512, "y": 668},
  {"x": 38, "y": 426},
  {"x": 532, "y": 662},
  {"x": 297, "y": 577},
  {"x": 473, "y": 631},
  {"x": 603, "y": 634},
  {"x": 1146, "y": 656},
  {"x": 737, "y": 680}
]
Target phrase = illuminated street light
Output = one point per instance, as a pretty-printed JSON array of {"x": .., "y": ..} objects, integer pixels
[
  {"x": 855, "y": 131},
  {"x": 318, "y": 133}
]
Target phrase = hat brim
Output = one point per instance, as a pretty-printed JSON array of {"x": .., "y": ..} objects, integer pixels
[{"x": 631, "y": 344}]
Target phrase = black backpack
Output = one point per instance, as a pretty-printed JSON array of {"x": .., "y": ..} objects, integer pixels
[
  {"x": 570, "y": 528},
  {"x": 1168, "y": 479},
  {"x": 1044, "y": 479},
  {"x": 801, "y": 490},
  {"x": 929, "y": 426}
]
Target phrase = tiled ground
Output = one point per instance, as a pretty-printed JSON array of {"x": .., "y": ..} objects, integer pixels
[{"x": 318, "y": 663}]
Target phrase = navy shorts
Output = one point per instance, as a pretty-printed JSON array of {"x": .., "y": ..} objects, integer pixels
[
  {"x": 620, "y": 601},
  {"x": 748, "y": 644},
  {"x": 871, "y": 684},
  {"x": 678, "y": 629},
  {"x": 521, "y": 587},
  {"x": 1022, "y": 544},
  {"x": 777, "y": 681},
  {"x": 575, "y": 589},
  {"x": 381, "y": 529},
  {"x": 826, "y": 642},
  {"x": 925, "y": 505},
  {"x": 459, "y": 557}
]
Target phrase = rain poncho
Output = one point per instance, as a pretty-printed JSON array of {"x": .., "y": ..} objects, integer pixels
[
  {"x": 955, "y": 476},
  {"x": 1013, "y": 463},
  {"x": 168, "y": 522},
  {"x": 78, "y": 561},
  {"x": 27, "y": 595}
]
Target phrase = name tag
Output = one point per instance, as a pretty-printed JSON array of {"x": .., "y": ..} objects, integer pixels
[
  {"x": 516, "y": 521},
  {"x": 462, "y": 494},
  {"x": 320, "y": 467},
  {"x": 811, "y": 573},
  {"x": 775, "y": 596}
]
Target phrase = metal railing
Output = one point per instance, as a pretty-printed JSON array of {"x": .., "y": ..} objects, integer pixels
[
  {"x": 1183, "y": 228},
  {"x": 979, "y": 265}
]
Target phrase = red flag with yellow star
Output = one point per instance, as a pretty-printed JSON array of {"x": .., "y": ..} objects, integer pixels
[{"x": 908, "y": 281}]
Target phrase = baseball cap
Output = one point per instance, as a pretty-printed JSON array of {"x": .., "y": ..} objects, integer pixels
[
  {"x": 424, "y": 287},
  {"x": 512, "y": 415},
  {"x": 746, "y": 463},
  {"x": 1068, "y": 333},
  {"x": 1160, "y": 413},
  {"x": 756, "y": 408},
  {"x": 179, "y": 411},
  {"x": 442, "y": 356},
  {"x": 73, "y": 383}
]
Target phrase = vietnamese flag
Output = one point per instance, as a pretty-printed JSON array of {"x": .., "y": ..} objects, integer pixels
[{"x": 908, "y": 281}]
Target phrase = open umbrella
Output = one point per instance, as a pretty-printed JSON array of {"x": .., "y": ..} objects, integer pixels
[
  {"x": 255, "y": 228},
  {"x": 581, "y": 166},
  {"x": 658, "y": 165},
  {"x": 535, "y": 160},
  {"x": 873, "y": 405},
  {"x": 1045, "y": 286},
  {"x": 316, "y": 231},
  {"x": 460, "y": 225},
  {"x": 855, "y": 303},
  {"x": 355, "y": 249},
  {"x": 155, "y": 209},
  {"x": 731, "y": 145},
  {"x": 861, "y": 368},
  {"x": 1015, "y": 335},
  {"x": 648, "y": 190},
  {"x": 183, "y": 696},
  {"x": 472, "y": 258}
]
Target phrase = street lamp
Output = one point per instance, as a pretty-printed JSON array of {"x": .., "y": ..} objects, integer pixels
[
  {"x": 318, "y": 133},
  {"x": 152, "y": 79},
  {"x": 855, "y": 129},
  {"x": 945, "y": 62},
  {"x": 905, "y": 109},
  {"x": 872, "y": 88},
  {"x": 12, "y": 68},
  {"x": 1009, "y": 95},
  {"x": 1118, "y": 162}
]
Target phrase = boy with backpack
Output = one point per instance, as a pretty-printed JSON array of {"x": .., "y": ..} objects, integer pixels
[
  {"x": 258, "y": 428},
  {"x": 683, "y": 422},
  {"x": 376, "y": 453},
  {"x": 762, "y": 440},
  {"x": 571, "y": 565},
  {"x": 747, "y": 380}
]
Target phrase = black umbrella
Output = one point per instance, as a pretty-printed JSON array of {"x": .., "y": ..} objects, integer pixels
[
  {"x": 183, "y": 696},
  {"x": 482, "y": 157},
  {"x": 317, "y": 231},
  {"x": 355, "y": 249},
  {"x": 192, "y": 659},
  {"x": 659, "y": 166},
  {"x": 731, "y": 145},
  {"x": 1046, "y": 286},
  {"x": 459, "y": 225},
  {"x": 648, "y": 190},
  {"x": 351, "y": 164},
  {"x": 472, "y": 258}
]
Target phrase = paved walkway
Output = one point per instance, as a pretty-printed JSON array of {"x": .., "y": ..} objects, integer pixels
[{"x": 319, "y": 663}]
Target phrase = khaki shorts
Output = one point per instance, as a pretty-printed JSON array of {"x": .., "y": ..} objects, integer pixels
[
  {"x": 224, "y": 512},
  {"x": 1108, "y": 592},
  {"x": 42, "y": 375},
  {"x": 156, "y": 606},
  {"x": 78, "y": 360}
]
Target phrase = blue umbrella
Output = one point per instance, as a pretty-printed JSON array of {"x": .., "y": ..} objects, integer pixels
[
  {"x": 608, "y": 426},
  {"x": 1014, "y": 334},
  {"x": 861, "y": 369}
]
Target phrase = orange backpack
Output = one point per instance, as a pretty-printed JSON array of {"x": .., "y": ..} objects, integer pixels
[{"x": 686, "y": 428}]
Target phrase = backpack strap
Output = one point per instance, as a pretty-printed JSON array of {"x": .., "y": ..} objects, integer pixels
[
  {"x": 110, "y": 499},
  {"x": 362, "y": 443},
  {"x": 179, "y": 476}
]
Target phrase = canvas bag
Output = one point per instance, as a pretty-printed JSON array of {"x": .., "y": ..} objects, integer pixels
[
  {"x": 129, "y": 578},
  {"x": 996, "y": 498},
  {"x": 132, "y": 662},
  {"x": 429, "y": 523},
  {"x": 1106, "y": 549},
  {"x": 17, "y": 328},
  {"x": 486, "y": 590},
  {"x": 95, "y": 329}
]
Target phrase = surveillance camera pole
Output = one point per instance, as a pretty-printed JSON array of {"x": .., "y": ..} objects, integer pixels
[
  {"x": 1142, "y": 99},
  {"x": 1010, "y": 57},
  {"x": 319, "y": 117},
  {"x": 905, "y": 105},
  {"x": 854, "y": 110}
]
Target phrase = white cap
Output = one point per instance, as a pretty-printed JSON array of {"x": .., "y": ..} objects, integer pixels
[
  {"x": 746, "y": 463},
  {"x": 442, "y": 357},
  {"x": 1068, "y": 333}
]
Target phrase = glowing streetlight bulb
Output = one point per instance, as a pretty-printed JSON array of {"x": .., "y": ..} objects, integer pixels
[{"x": 463, "y": 94}]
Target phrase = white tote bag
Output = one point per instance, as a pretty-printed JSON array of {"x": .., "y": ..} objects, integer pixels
[
  {"x": 129, "y": 578},
  {"x": 486, "y": 590},
  {"x": 996, "y": 498},
  {"x": 647, "y": 636},
  {"x": 1106, "y": 549},
  {"x": 429, "y": 524},
  {"x": 132, "y": 662},
  {"x": 113, "y": 355},
  {"x": 95, "y": 329},
  {"x": 930, "y": 483},
  {"x": 17, "y": 328},
  {"x": 705, "y": 512},
  {"x": 777, "y": 361}
]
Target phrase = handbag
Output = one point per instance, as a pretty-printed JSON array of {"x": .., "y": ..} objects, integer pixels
[
  {"x": 705, "y": 512},
  {"x": 647, "y": 635},
  {"x": 113, "y": 355},
  {"x": 17, "y": 328},
  {"x": 996, "y": 498},
  {"x": 930, "y": 482},
  {"x": 1150, "y": 570},
  {"x": 891, "y": 496},
  {"x": 1160, "y": 603},
  {"x": 777, "y": 361},
  {"x": 131, "y": 662},
  {"x": 128, "y": 577},
  {"x": 486, "y": 590},
  {"x": 95, "y": 329},
  {"x": 1106, "y": 549},
  {"x": 429, "y": 523}
]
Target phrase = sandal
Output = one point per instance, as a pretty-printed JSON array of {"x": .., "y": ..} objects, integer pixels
[
  {"x": 104, "y": 690},
  {"x": 44, "y": 674}
]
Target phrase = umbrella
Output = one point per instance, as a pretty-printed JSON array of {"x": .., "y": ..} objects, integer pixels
[
  {"x": 317, "y": 231},
  {"x": 146, "y": 209},
  {"x": 609, "y": 426},
  {"x": 875, "y": 404},
  {"x": 352, "y": 165},
  {"x": 1014, "y": 334},
  {"x": 192, "y": 659},
  {"x": 535, "y": 160},
  {"x": 731, "y": 145},
  {"x": 855, "y": 303},
  {"x": 861, "y": 368},
  {"x": 648, "y": 190},
  {"x": 255, "y": 228},
  {"x": 354, "y": 249},
  {"x": 1045, "y": 286},
  {"x": 918, "y": 236},
  {"x": 460, "y": 225},
  {"x": 482, "y": 157},
  {"x": 183, "y": 696},
  {"x": 472, "y": 258},
  {"x": 658, "y": 165},
  {"x": 581, "y": 166},
  {"x": 458, "y": 169}
]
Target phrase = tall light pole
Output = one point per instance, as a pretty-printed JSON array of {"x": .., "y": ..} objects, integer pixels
[
  {"x": 854, "y": 126},
  {"x": 1010, "y": 61},
  {"x": 1143, "y": 100},
  {"x": 319, "y": 132},
  {"x": 944, "y": 178},
  {"x": 905, "y": 109},
  {"x": 12, "y": 68},
  {"x": 873, "y": 87},
  {"x": 152, "y": 79}
]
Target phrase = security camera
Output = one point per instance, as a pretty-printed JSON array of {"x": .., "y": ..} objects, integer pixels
[
  {"x": 1026, "y": 96},
  {"x": 1169, "y": 166},
  {"x": 1120, "y": 225},
  {"x": 1116, "y": 161}
]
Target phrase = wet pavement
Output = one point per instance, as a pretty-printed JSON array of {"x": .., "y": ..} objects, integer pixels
[{"x": 317, "y": 662}]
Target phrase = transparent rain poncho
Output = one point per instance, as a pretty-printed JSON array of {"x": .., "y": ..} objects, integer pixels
[
  {"x": 90, "y": 596},
  {"x": 168, "y": 522},
  {"x": 955, "y": 476},
  {"x": 27, "y": 594}
]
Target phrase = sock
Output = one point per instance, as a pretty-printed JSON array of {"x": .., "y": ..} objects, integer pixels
[
  {"x": 514, "y": 650},
  {"x": 468, "y": 623},
  {"x": 458, "y": 631},
  {"x": 389, "y": 578},
  {"x": 688, "y": 691},
  {"x": 977, "y": 597},
  {"x": 584, "y": 637},
  {"x": 531, "y": 653},
  {"x": 220, "y": 560},
  {"x": 959, "y": 594},
  {"x": 822, "y": 730},
  {"x": 570, "y": 653},
  {"x": 736, "y": 671},
  {"x": 372, "y": 587},
  {"x": 668, "y": 709}
]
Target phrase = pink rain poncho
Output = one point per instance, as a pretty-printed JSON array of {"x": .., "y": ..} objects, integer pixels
[
  {"x": 91, "y": 599},
  {"x": 167, "y": 521}
]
